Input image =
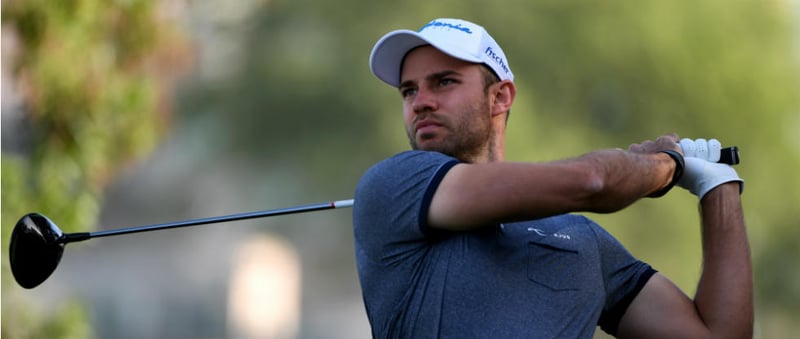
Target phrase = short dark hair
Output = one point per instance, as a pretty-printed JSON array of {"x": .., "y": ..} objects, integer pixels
[{"x": 489, "y": 77}]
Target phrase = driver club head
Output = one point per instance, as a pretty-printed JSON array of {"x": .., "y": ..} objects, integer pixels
[{"x": 35, "y": 249}]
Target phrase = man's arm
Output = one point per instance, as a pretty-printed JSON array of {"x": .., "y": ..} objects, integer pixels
[
  {"x": 474, "y": 195},
  {"x": 723, "y": 304}
]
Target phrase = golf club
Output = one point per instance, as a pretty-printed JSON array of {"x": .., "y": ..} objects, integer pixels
[
  {"x": 729, "y": 155},
  {"x": 37, "y": 244}
]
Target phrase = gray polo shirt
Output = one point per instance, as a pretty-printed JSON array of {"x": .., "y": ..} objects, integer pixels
[{"x": 556, "y": 277}]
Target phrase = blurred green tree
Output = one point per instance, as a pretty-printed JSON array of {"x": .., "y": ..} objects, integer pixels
[
  {"x": 94, "y": 79},
  {"x": 589, "y": 74}
]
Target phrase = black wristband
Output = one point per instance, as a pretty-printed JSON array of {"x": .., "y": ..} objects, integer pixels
[{"x": 676, "y": 175}]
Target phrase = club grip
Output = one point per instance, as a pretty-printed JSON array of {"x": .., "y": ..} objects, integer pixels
[{"x": 729, "y": 155}]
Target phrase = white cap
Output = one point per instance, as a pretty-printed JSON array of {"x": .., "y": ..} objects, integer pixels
[{"x": 458, "y": 38}]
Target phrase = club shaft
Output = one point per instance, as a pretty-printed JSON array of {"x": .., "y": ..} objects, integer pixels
[
  {"x": 730, "y": 155},
  {"x": 203, "y": 221}
]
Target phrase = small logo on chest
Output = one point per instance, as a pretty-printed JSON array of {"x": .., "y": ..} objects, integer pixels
[
  {"x": 562, "y": 236},
  {"x": 543, "y": 234}
]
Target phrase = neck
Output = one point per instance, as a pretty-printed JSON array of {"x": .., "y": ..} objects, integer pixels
[{"x": 496, "y": 148}]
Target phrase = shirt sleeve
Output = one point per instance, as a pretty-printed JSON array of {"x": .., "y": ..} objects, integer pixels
[
  {"x": 624, "y": 277},
  {"x": 393, "y": 197}
]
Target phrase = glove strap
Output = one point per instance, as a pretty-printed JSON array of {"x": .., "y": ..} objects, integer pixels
[{"x": 676, "y": 175}]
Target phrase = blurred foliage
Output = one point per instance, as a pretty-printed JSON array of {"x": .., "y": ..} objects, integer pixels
[
  {"x": 94, "y": 77},
  {"x": 298, "y": 96}
]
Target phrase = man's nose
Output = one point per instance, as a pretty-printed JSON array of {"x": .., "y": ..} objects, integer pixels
[{"x": 424, "y": 101}]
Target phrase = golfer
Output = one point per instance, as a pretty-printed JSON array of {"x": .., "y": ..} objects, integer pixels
[{"x": 453, "y": 241}]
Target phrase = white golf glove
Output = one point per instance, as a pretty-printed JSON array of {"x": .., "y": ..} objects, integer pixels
[{"x": 702, "y": 172}]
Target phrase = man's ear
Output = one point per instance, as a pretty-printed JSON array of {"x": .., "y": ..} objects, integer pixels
[{"x": 503, "y": 96}]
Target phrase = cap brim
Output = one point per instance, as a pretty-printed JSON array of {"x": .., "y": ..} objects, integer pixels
[
  {"x": 388, "y": 53},
  {"x": 387, "y": 56}
]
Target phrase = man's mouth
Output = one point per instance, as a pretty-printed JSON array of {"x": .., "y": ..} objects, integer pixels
[{"x": 426, "y": 126}]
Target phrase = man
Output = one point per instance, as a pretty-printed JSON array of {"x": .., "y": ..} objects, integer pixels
[{"x": 453, "y": 241}]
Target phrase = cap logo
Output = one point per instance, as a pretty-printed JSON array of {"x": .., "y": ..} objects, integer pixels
[
  {"x": 436, "y": 23},
  {"x": 499, "y": 60}
]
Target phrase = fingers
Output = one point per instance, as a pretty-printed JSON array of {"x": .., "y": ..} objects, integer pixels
[
  {"x": 687, "y": 145},
  {"x": 668, "y": 138},
  {"x": 701, "y": 148},
  {"x": 714, "y": 150},
  {"x": 636, "y": 148},
  {"x": 664, "y": 142},
  {"x": 668, "y": 142},
  {"x": 709, "y": 150}
]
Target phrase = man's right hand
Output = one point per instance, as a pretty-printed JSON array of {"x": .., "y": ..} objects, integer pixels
[{"x": 662, "y": 143}]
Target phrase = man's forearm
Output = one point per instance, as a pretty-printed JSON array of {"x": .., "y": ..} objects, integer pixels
[
  {"x": 626, "y": 177},
  {"x": 472, "y": 195},
  {"x": 724, "y": 297}
]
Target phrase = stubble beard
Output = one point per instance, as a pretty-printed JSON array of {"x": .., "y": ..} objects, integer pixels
[{"x": 469, "y": 139}]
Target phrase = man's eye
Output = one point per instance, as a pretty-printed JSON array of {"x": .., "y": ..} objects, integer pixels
[
  {"x": 406, "y": 92},
  {"x": 445, "y": 82}
]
